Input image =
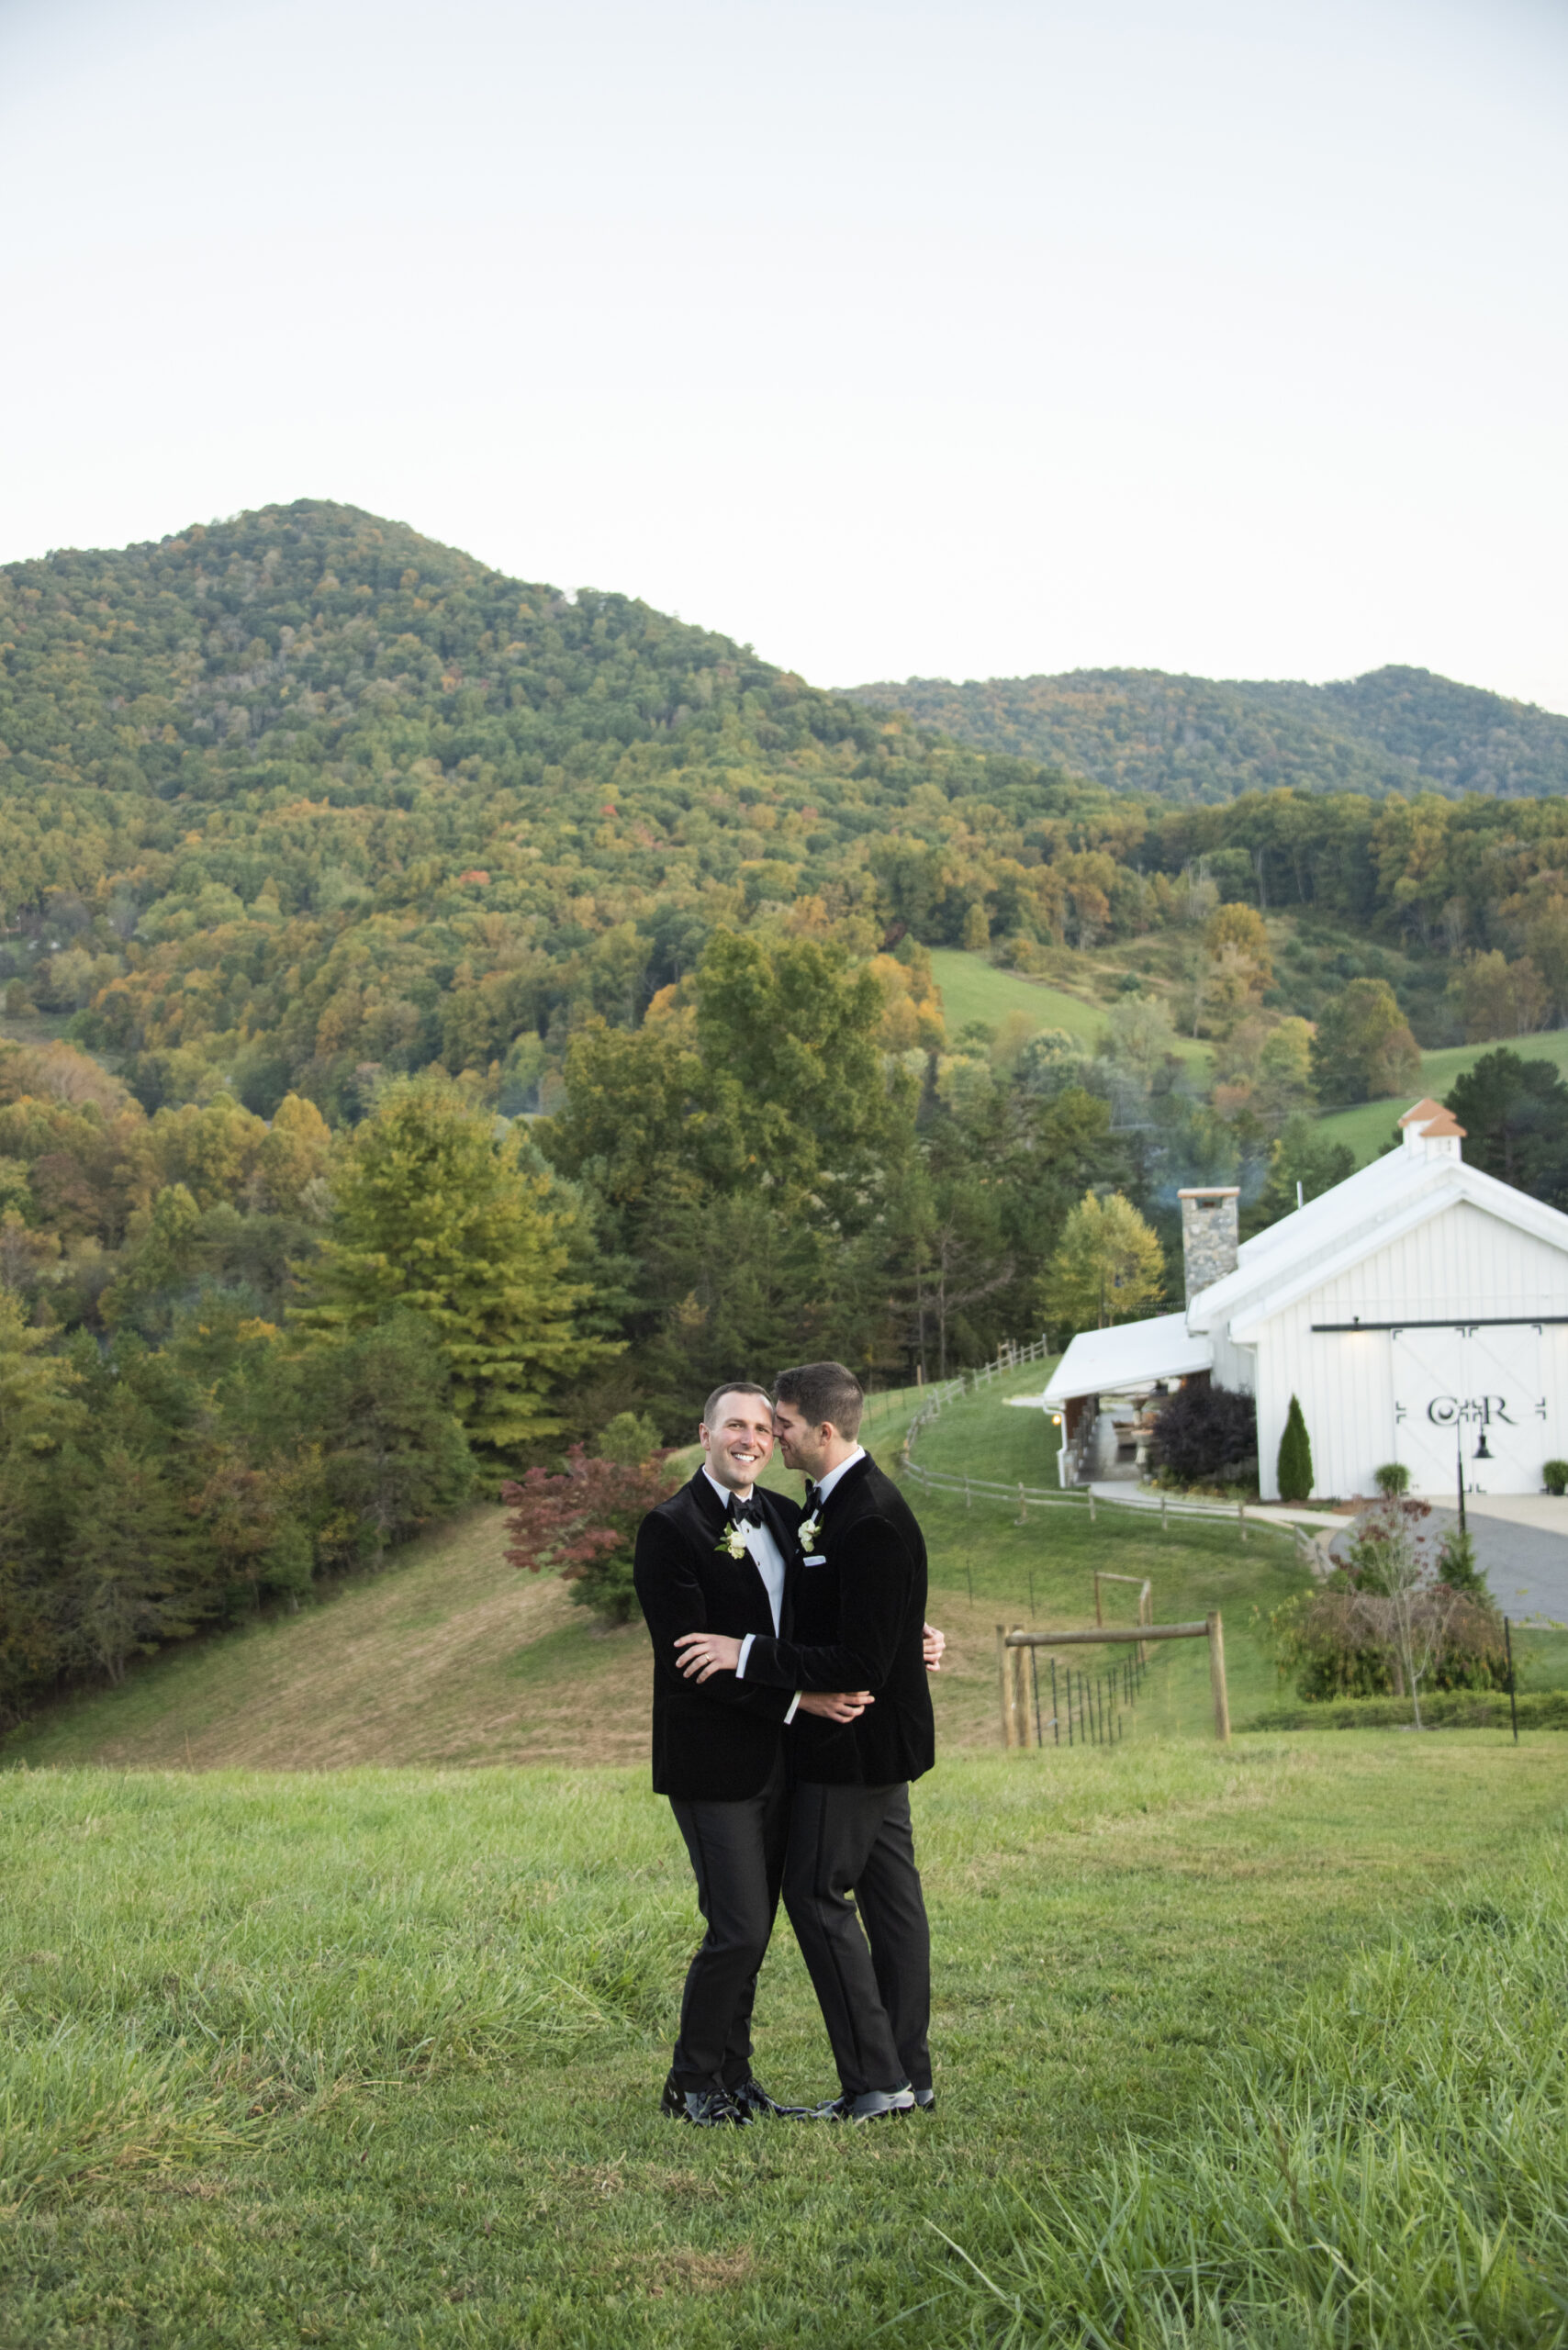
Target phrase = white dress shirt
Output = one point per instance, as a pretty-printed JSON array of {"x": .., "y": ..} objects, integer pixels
[
  {"x": 769, "y": 1560},
  {"x": 826, "y": 1484}
]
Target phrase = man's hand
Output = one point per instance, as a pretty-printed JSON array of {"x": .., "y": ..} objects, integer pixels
[
  {"x": 935, "y": 1644},
  {"x": 836, "y": 1705},
  {"x": 707, "y": 1653}
]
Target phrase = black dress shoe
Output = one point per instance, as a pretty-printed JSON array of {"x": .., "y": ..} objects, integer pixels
[
  {"x": 710, "y": 2109},
  {"x": 871, "y": 2105},
  {"x": 753, "y": 2102},
  {"x": 925, "y": 2100}
]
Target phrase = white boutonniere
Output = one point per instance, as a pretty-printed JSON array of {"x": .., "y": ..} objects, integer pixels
[
  {"x": 809, "y": 1529},
  {"x": 733, "y": 1540}
]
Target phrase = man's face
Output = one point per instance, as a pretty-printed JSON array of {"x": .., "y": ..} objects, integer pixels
[
  {"x": 803, "y": 1446},
  {"x": 739, "y": 1442}
]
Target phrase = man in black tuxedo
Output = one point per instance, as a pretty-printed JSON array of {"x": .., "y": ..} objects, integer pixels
[
  {"x": 858, "y": 1619},
  {"x": 722, "y": 1553}
]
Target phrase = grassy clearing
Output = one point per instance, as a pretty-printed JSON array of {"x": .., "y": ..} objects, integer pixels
[
  {"x": 372, "y": 2057},
  {"x": 1367, "y": 1127},
  {"x": 973, "y": 989}
]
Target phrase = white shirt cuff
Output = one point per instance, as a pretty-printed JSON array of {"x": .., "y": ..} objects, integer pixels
[
  {"x": 746, "y": 1652},
  {"x": 794, "y": 1708}
]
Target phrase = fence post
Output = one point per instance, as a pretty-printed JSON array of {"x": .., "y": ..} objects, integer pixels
[
  {"x": 1217, "y": 1679},
  {"x": 1011, "y": 1670},
  {"x": 1090, "y": 1504},
  {"x": 1241, "y": 1518},
  {"x": 1023, "y": 1517},
  {"x": 1099, "y": 1613},
  {"x": 1164, "y": 1527}
]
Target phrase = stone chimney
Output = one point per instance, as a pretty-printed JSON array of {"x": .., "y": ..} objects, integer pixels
[{"x": 1210, "y": 1235}]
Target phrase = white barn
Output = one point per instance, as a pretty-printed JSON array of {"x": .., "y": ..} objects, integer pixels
[{"x": 1419, "y": 1310}]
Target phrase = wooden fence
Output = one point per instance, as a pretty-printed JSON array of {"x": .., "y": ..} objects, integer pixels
[{"x": 1012, "y": 1645}]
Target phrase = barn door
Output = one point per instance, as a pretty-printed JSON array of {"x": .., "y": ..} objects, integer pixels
[{"x": 1470, "y": 1394}]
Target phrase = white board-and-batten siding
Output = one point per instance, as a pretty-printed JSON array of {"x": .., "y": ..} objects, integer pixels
[{"x": 1463, "y": 1265}]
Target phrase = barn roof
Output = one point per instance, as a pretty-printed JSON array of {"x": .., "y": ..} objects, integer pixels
[
  {"x": 1133, "y": 1355},
  {"x": 1332, "y": 1233}
]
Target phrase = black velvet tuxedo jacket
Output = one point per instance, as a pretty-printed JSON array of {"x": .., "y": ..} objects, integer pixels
[
  {"x": 857, "y": 1622},
  {"x": 718, "y": 1742}
]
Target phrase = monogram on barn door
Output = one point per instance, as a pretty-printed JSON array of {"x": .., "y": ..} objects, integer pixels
[{"x": 1469, "y": 1393}]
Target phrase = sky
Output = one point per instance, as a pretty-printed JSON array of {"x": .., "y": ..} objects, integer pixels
[{"x": 1219, "y": 336}]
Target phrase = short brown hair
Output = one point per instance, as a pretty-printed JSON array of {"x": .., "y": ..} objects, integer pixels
[
  {"x": 822, "y": 1391},
  {"x": 730, "y": 1387}
]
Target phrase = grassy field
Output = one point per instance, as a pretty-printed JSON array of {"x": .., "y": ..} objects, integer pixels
[
  {"x": 1368, "y": 1127},
  {"x": 373, "y": 2058},
  {"x": 973, "y": 989},
  {"x": 1252, "y": 2047}
]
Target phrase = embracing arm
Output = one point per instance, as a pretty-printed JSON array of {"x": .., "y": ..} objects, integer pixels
[
  {"x": 673, "y": 1602},
  {"x": 873, "y": 1594}
]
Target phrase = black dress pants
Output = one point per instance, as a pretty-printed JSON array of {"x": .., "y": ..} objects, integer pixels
[
  {"x": 875, "y": 1994},
  {"x": 737, "y": 1855}
]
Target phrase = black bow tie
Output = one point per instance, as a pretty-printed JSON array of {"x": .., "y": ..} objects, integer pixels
[{"x": 744, "y": 1513}]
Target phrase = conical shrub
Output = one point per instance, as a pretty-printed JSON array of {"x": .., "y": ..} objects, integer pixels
[{"x": 1296, "y": 1457}]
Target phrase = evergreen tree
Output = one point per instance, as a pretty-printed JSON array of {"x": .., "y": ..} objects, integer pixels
[
  {"x": 436, "y": 1214},
  {"x": 126, "y": 1587},
  {"x": 1295, "y": 1456},
  {"x": 392, "y": 1455}
]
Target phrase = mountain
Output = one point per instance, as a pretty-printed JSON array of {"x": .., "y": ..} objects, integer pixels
[
  {"x": 303, "y": 800},
  {"x": 1203, "y": 740}
]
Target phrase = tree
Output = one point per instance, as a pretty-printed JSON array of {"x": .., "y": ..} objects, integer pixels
[
  {"x": 1302, "y": 1154},
  {"x": 294, "y": 1154},
  {"x": 1294, "y": 1471},
  {"x": 630, "y": 1438},
  {"x": 1241, "y": 926},
  {"x": 1109, "y": 1267},
  {"x": 436, "y": 1214},
  {"x": 392, "y": 1455},
  {"x": 583, "y": 1522},
  {"x": 1363, "y": 1049},
  {"x": 1497, "y": 998},
  {"x": 40, "y": 1413},
  {"x": 1514, "y": 1115},
  {"x": 126, "y": 1587}
]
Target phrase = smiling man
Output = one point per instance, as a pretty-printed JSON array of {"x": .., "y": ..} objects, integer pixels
[
  {"x": 851, "y": 1884},
  {"x": 720, "y": 1555}
]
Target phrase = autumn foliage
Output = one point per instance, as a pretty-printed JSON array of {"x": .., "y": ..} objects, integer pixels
[{"x": 583, "y": 1522}]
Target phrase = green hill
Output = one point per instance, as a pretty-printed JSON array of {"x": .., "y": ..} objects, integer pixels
[{"x": 1203, "y": 739}]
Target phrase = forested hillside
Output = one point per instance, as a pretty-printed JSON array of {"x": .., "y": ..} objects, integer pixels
[
  {"x": 1198, "y": 739},
  {"x": 444, "y": 1020}
]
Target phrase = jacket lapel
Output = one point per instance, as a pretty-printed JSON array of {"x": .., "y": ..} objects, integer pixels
[{"x": 712, "y": 1515}]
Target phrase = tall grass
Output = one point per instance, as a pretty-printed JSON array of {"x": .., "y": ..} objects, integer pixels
[{"x": 1387, "y": 2169}]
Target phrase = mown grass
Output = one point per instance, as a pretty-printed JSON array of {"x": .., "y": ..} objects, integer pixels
[{"x": 373, "y": 2057}]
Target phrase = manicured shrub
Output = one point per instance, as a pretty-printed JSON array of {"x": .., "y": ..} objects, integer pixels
[
  {"x": 1393, "y": 1478},
  {"x": 1295, "y": 1456},
  {"x": 1207, "y": 1435},
  {"x": 1557, "y": 1476}
]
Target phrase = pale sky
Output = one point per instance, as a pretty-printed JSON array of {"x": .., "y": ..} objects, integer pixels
[{"x": 958, "y": 338}]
